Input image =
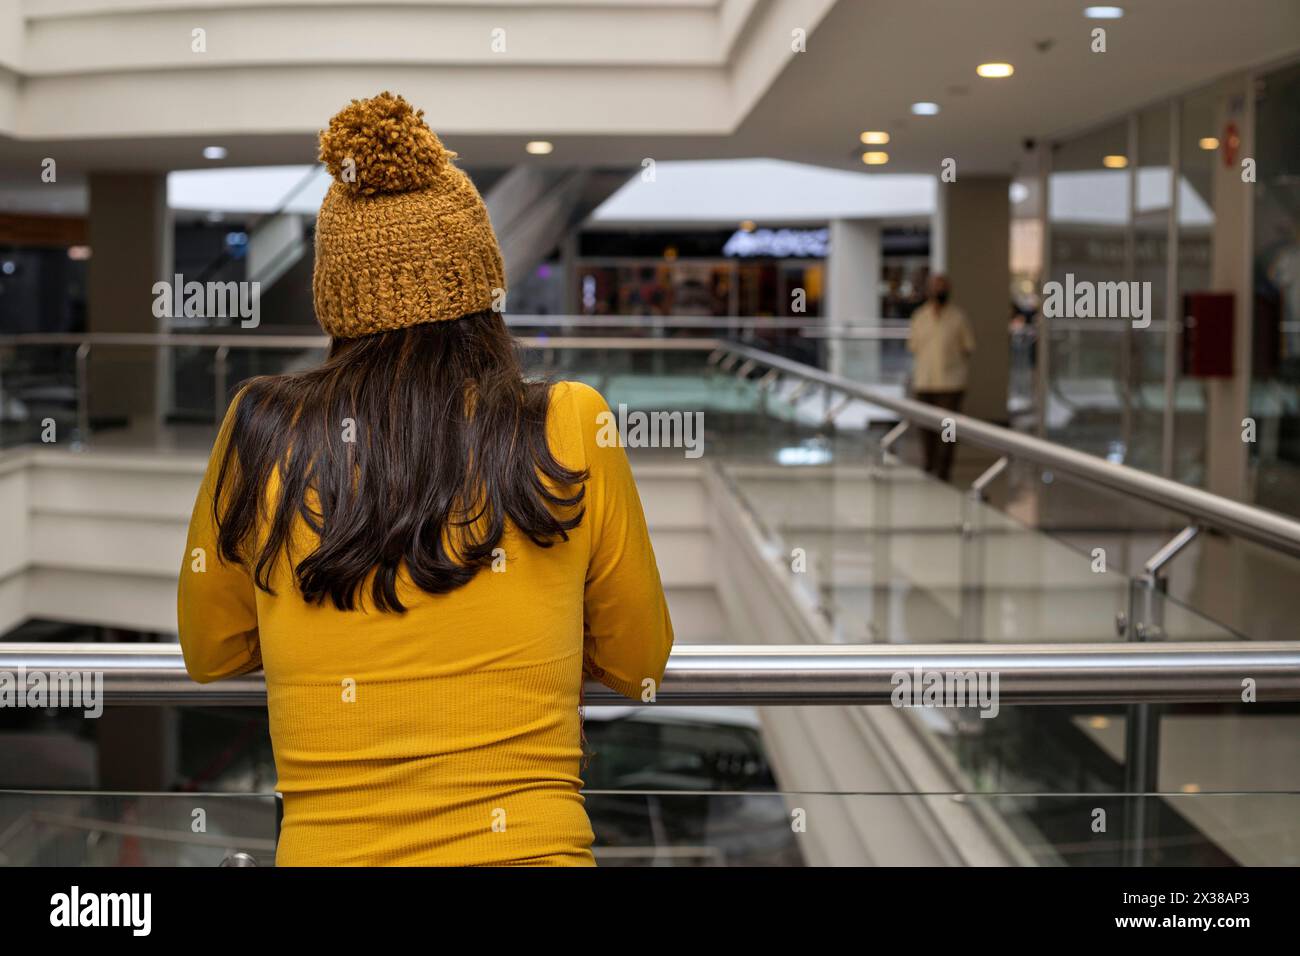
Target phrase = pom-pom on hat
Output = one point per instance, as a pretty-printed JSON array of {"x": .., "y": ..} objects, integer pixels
[{"x": 403, "y": 236}]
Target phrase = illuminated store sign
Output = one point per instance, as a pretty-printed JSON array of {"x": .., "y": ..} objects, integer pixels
[{"x": 779, "y": 243}]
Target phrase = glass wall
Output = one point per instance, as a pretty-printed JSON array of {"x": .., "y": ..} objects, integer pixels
[
  {"x": 1149, "y": 336},
  {"x": 1119, "y": 196},
  {"x": 1275, "y": 362},
  {"x": 1198, "y": 146},
  {"x": 1087, "y": 401}
]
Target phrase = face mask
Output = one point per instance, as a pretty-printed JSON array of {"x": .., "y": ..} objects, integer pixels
[{"x": 941, "y": 298}]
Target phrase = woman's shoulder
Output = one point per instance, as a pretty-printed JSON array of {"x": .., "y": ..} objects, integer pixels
[
  {"x": 576, "y": 415},
  {"x": 580, "y": 397}
]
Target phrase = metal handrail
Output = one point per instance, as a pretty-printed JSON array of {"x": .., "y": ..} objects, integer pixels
[
  {"x": 1255, "y": 524},
  {"x": 729, "y": 675}
]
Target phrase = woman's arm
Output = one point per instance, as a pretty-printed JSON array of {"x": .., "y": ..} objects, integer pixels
[
  {"x": 216, "y": 601},
  {"x": 627, "y": 631}
]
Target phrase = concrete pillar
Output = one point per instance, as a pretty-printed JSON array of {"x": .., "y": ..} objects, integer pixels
[
  {"x": 569, "y": 273},
  {"x": 129, "y": 230},
  {"x": 853, "y": 295},
  {"x": 970, "y": 240}
]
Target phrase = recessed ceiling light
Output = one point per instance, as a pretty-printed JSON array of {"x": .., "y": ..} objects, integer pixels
[
  {"x": 992, "y": 71},
  {"x": 748, "y": 226},
  {"x": 925, "y": 109},
  {"x": 1208, "y": 142},
  {"x": 539, "y": 147},
  {"x": 1114, "y": 161},
  {"x": 1103, "y": 13},
  {"x": 874, "y": 137},
  {"x": 214, "y": 152},
  {"x": 875, "y": 158}
]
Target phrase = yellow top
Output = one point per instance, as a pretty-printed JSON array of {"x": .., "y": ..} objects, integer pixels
[
  {"x": 941, "y": 341},
  {"x": 448, "y": 734}
]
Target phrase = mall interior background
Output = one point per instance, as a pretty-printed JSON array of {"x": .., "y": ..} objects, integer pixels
[{"x": 756, "y": 232}]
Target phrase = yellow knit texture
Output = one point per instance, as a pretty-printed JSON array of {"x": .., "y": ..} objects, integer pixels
[{"x": 403, "y": 236}]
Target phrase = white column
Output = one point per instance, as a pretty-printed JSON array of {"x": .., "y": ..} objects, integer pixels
[{"x": 853, "y": 295}]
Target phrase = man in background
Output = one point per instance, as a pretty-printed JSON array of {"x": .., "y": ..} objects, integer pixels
[{"x": 941, "y": 343}]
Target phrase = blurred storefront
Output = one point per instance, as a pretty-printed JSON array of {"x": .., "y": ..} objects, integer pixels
[{"x": 750, "y": 271}]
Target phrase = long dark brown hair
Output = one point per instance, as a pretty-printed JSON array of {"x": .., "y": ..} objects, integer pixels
[{"x": 448, "y": 442}]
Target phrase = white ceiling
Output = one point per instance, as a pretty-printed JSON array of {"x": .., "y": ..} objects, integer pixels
[{"x": 739, "y": 93}]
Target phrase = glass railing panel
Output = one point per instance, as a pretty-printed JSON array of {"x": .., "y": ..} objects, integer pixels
[
  {"x": 42, "y": 828},
  {"x": 196, "y": 372},
  {"x": 899, "y": 557},
  {"x": 746, "y": 829},
  {"x": 37, "y": 384},
  {"x": 643, "y": 827}
]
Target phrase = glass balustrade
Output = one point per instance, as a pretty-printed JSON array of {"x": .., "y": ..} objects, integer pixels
[
  {"x": 883, "y": 554},
  {"x": 641, "y": 827}
]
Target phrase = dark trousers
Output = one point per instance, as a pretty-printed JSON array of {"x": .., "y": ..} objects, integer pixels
[{"x": 937, "y": 453}]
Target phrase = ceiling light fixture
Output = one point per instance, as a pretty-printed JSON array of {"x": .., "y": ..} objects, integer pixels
[
  {"x": 1114, "y": 161},
  {"x": 875, "y": 158},
  {"x": 995, "y": 71},
  {"x": 925, "y": 108},
  {"x": 214, "y": 152},
  {"x": 1208, "y": 142},
  {"x": 1103, "y": 13},
  {"x": 874, "y": 137},
  {"x": 539, "y": 147}
]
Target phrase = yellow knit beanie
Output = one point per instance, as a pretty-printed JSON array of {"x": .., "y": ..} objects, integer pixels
[{"x": 403, "y": 236}]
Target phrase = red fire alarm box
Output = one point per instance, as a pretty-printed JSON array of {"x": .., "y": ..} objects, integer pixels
[{"x": 1207, "y": 334}]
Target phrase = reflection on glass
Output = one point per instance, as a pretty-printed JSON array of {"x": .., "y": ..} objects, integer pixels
[
  {"x": 1088, "y": 216},
  {"x": 1275, "y": 388}
]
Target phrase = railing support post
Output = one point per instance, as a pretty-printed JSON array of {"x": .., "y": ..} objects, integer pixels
[
  {"x": 833, "y": 411},
  {"x": 886, "y": 446},
  {"x": 1142, "y": 727},
  {"x": 83, "y": 394},
  {"x": 980, "y": 486},
  {"x": 973, "y": 557}
]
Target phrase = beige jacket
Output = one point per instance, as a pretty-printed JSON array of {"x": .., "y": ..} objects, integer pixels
[{"x": 941, "y": 342}]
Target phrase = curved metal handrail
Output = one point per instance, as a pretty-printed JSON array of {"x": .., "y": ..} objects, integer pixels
[
  {"x": 1263, "y": 527},
  {"x": 730, "y": 675}
]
